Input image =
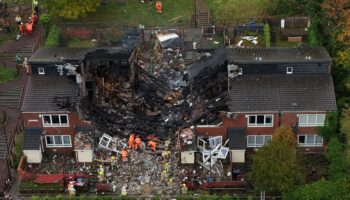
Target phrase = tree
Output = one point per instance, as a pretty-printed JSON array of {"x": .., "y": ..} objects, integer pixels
[
  {"x": 322, "y": 189},
  {"x": 275, "y": 167},
  {"x": 267, "y": 36},
  {"x": 335, "y": 156},
  {"x": 345, "y": 129},
  {"x": 330, "y": 128},
  {"x": 69, "y": 9},
  {"x": 338, "y": 12},
  {"x": 284, "y": 133}
]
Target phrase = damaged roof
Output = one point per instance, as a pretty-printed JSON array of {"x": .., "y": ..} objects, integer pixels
[
  {"x": 32, "y": 140},
  {"x": 49, "y": 93},
  {"x": 304, "y": 92},
  {"x": 65, "y": 54},
  {"x": 276, "y": 55}
]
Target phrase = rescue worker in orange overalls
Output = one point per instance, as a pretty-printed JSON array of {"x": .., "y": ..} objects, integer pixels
[
  {"x": 138, "y": 142},
  {"x": 159, "y": 6},
  {"x": 22, "y": 29},
  {"x": 132, "y": 141},
  {"x": 124, "y": 155},
  {"x": 153, "y": 145},
  {"x": 34, "y": 19}
]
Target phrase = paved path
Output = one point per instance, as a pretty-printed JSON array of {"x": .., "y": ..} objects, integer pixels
[{"x": 8, "y": 52}]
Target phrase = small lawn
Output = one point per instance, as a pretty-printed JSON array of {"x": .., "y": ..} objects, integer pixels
[
  {"x": 75, "y": 42},
  {"x": 7, "y": 74},
  {"x": 133, "y": 13},
  {"x": 222, "y": 10},
  {"x": 30, "y": 185}
]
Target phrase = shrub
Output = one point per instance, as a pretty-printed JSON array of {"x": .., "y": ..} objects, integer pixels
[
  {"x": 267, "y": 35},
  {"x": 45, "y": 19},
  {"x": 53, "y": 39}
]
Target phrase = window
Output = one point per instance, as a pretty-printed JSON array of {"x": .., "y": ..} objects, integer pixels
[
  {"x": 55, "y": 120},
  {"x": 310, "y": 140},
  {"x": 240, "y": 71},
  {"x": 311, "y": 119},
  {"x": 41, "y": 70},
  {"x": 58, "y": 141},
  {"x": 260, "y": 120},
  {"x": 289, "y": 70},
  {"x": 258, "y": 140}
]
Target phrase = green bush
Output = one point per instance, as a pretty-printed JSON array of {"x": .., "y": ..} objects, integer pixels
[
  {"x": 312, "y": 39},
  {"x": 45, "y": 20},
  {"x": 335, "y": 156},
  {"x": 267, "y": 36},
  {"x": 53, "y": 39},
  {"x": 330, "y": 128},
  {"x": 322, "y": 189}
]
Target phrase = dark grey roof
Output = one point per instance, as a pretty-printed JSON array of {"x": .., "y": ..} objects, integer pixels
[
  {"x": 64, "y": 54},
  {"x": 237, "y": 138},
  {"x": 32, "y": 139},
  {"x": 278, "y": 55},
  {"x": 304, "y": 92},
  {"x": 58, "y": 54},
  {"x": 49, "y": 93}
]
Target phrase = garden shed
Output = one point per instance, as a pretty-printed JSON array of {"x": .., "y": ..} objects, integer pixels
[{"x": 32, "y": 145}]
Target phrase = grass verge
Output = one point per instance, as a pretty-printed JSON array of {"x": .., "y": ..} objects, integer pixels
[{"x": 7, "y": 74}]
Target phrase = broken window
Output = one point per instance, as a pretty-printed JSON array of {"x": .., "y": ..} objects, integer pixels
[
  {"x": 47, "y": 120},
  {"x": 260, "y": 120}
]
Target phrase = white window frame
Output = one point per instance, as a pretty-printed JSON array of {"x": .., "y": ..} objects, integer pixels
[
  {"x": 58, "y": 145},
  {"x": 255, "y": 136},
  {"x": 55, "y": 125},
  {"x": 314, "y": 144},
  {"x": 289, "y": 70},
  {"x": 307, "y": 124},
  {"x": 256, "y": 121},
  {"x": 41, "y": 70},
  {"x": 240, "y": 71}
]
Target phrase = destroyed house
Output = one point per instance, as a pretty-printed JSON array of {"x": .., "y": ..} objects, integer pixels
[
  {"x": 269, "y": 87},
  {"x": 59, "y": 78}
]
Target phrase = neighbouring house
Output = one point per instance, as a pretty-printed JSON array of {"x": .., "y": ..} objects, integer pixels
[
  {"x": 273, "y": 86},
  {"x": 59, "y": 78}
]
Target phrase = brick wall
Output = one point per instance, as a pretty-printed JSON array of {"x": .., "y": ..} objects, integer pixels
[
  {"x": 32, "y": 120},
  {"x": 240, "y": 120}
]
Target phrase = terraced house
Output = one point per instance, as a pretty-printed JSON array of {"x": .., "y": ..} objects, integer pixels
[{"x": 273, "y": 86}]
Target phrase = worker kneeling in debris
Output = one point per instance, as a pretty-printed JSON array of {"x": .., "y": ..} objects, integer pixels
[
  {"x": 138, "y": 142},
  {"x": 124, "y": 155},
  {"x": 131, "y": 141},
  {"x": 153, "y": 145}
]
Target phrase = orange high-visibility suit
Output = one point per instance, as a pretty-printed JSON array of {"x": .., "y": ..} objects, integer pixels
[
  {"x": 124, "y": 154},
  {"x": 153, "y": 145},
  {"x": 159, "y": 6},
  {"x": 29, "y": 28},
  {"x": 22, "y": 29},
  {"x": 34, "y": 19},
  {"x": 131, "y": 141},
  {"x": 138, "y": 143}
]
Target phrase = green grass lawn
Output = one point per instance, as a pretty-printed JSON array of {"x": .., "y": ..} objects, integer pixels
[
  {"x": 133, "y": 13},
  {"x": 221, "y": 10},
  {"x": 75, "y": 42},
  {"x": 7, "y": 74}
]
